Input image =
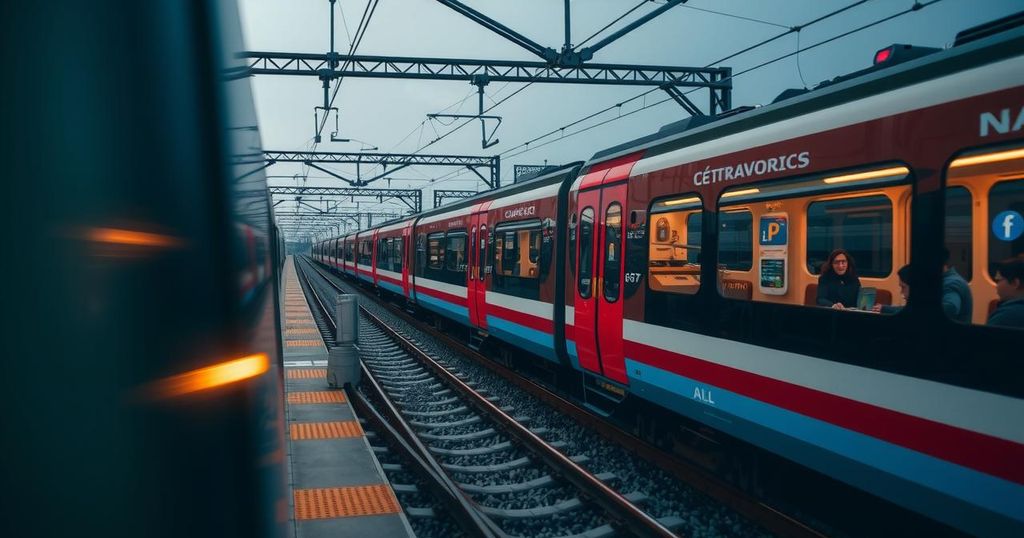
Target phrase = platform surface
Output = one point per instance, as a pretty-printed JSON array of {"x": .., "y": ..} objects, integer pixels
[{"x": 338, "y": 488}]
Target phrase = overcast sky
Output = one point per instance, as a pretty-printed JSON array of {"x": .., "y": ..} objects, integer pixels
[{"x": 391, "y": 114}]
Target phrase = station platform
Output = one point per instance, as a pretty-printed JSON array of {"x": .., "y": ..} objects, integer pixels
[{"x": 338, "y": 487}]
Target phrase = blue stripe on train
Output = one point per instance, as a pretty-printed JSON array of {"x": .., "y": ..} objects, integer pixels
[
  {"x": 366, "y": 277},
  {"x": 390, "y": 287},
  {"x": 445, "y": 308},
  {"x": 930, "y": 485},
  {"x": 532, "y": 340}
]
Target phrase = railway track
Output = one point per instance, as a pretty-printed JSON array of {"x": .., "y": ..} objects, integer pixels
[{"x": 520, "y": 484}]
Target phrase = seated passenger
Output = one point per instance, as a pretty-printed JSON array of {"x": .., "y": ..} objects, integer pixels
[
  {"x": 956, "y": 294},
  {"x": 904, "y": 274},
  {"x": 838, "y": 284},
  {"x": 1010, "y": 288}
]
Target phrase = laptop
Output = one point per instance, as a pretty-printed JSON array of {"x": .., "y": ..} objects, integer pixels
[{"x": 866, "y": 298}]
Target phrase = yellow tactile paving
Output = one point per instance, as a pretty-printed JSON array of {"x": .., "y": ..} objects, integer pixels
[
  {"x": 326, "y": 430},
  {"x": 324, "y": 503},
  {"x": 316, "y": 397},
  {"x": 306, "y": 373},
  {"x": 301, "y": 331},
  {"x": 302, "y": 343}
]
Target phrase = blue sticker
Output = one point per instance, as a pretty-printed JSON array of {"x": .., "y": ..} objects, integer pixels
[
  {"x": 1008, "y": 225},
  {"x": 774, "y": 231}
]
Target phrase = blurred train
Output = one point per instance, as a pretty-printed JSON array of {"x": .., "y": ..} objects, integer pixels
[
  {"x": 682, "y": 268},
  {"x": 141, "y": 368}
]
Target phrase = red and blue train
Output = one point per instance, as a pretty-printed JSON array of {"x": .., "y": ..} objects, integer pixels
[{"x": 682, "y": 269}]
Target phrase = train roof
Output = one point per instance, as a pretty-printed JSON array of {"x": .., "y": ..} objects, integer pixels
[{"x": 973, "y": 47}]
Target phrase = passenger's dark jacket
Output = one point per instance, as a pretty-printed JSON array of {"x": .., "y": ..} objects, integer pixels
[
  {"x": 833, "y": 289},
  {"x": 1008, "y": 314},
  {"x": 956, "y": 297}
]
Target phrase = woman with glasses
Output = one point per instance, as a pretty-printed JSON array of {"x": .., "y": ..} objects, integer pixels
[{"x": 838, "y": 284}]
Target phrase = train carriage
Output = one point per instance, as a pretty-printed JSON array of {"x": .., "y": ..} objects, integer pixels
[
  {"x": 726, "y": 228},
  {"x": 441, "y": 264},
  {"x": 526, "y": 251},
  {"x": 391, "y": 267}
]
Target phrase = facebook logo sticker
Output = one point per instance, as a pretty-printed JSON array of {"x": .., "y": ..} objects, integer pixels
[{"x": 1008, "y": 225}]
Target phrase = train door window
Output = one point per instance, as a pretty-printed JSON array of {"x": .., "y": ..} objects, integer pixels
[
  {"x": 382, "y": 255},
  {"x": 958, "y": 237},
  {"x": 586, "y": 240},
  {"x": 735, "y": 240},
  {"x": 365, "y": 252},
  {"x": 481, "y": 258},
  {"x": 455, "y": 258},
  {"x": 572, "y": 244},
  {"x": 861, "y": 226},
  {"x": 673, "y": 264},
  {"x": 421, "y": 253},
  {"x": 517, "y": 259},
  {"x": 435, "y": 251},
  {"x": 397, "y": 254},
  {"x": 612, "y": 251},
  {"x": 470, "y": 250},
  {"x": 348, "y": 251}
]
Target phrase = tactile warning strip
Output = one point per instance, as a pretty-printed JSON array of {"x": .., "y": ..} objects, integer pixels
[
  {"x": 325, "y": 430},
  {"x": 302, "y": 343},
  {"x": 302, "y": 330},
  {"x": 326, "y": 503},
  {"x": 316, "y": 397},
  {"x": 306, "y": 373}
]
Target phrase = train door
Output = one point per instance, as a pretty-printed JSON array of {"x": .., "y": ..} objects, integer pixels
[
  {"x": 477, "y": 255},
  {"x": 405, "y": 256},
  {"x": 599, "y": 280}
]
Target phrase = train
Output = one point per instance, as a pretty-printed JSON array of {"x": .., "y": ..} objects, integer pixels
[
  {"x": 681, "y": 269},
  {"x": 143, "y": 368}
]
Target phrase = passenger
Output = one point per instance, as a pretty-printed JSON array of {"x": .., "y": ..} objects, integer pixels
[
  {"x": 904, "y": 274},
  {"x": 957, "y": 302},
  {"x": 838, "y": 284},
  {"x": 1010, "y": 288}
]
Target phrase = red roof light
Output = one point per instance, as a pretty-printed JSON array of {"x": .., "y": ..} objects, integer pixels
[{"x": 883, "y": 55}]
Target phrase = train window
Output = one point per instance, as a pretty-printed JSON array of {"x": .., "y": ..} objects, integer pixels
[
  {"x": 612, "y": 269},
  {"x": 365, "y": 252},
  {"x": 862, "y": 226},
  {"x": 348, "y": 251},
  {"x": 382, "y": 255},
  {"x": 397, "y": 254},
  {"x": 435, "y": 250},
  {"x": 517, "y": 259},
  {"x": 455, "y": 252},
  {"x": 586, "y": 240},
  {"x": 481, "y": 258},
  {"x": 735, "y": 240},
  {"x": 959, "y": 223},
  {"x": 674, "y": 245},
  {"x": 1006, "y": 215}
]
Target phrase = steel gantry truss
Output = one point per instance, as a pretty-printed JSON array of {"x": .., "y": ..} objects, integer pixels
[
  {"x": 413, "y": 198},
  {"x": 397, "y": 161},
  {"x": 440, "y": 195}
]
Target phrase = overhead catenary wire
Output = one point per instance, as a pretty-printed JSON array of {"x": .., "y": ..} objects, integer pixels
[{"x": 531, "y": 146}]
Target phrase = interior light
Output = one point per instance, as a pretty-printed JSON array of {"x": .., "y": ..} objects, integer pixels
[
  {"x": 988, "y": 158},
  {"x": 680, "y": 201},
  {"x": 870, "y": 174},
  {"x": 741, "y": 192},
  {"x": 130, "y": 237},
  {"x": 213, "y": 376}
]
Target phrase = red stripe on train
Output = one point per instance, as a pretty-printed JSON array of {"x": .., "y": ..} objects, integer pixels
[
  {"x": 526, "y": 320},
  {"x": 984, "y": 453},
  {"x": 444, "y": 296}
]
